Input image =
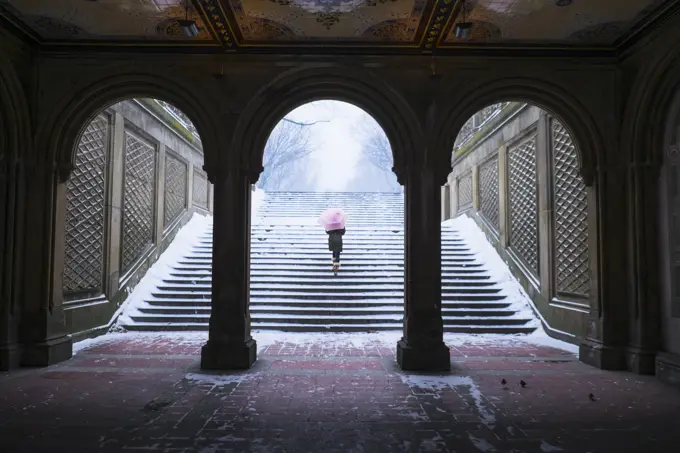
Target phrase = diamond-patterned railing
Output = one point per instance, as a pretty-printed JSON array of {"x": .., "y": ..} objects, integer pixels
[
  {"x": 524, "y": 202},
  {"x": 571, "y": 216},
  {"x": 175, "y": 188},
  {"x": 138, "y": 199},
  {"x": 200, "y": 189},
  {"x": 465, "y": 191},
  {"x": 84, "y": 223},
  {"x": 488, "y": 191}
]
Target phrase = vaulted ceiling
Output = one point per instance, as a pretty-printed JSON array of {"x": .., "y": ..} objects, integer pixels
[{"x": 370, "y": 25}]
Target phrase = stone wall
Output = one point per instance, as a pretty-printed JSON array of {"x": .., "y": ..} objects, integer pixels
[
  {"x": 516, "y": 172},
  {"x": 137, "y": 179}
]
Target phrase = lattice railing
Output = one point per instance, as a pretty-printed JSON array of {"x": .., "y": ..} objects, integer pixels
[
  {"x": 138, "y": 199},
  {"x": 84, "y": 223},
  {"x": 489, "y": 202},
  {"x": 175, "y": 188},
  {"x": 523, "y": 196},
  {"x": 477, "y": 122},
  {"x": 465, "y": 191},
  {"x": 572, "y": 275},
  {"x": 200, "y": 189},
  {"x": 180, "y": 116}
]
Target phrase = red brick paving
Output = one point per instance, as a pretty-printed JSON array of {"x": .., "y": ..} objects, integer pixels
[{"x": 146, "y": 393}]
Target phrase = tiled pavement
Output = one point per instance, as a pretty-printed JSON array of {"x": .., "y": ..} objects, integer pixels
[{"x": 332, "y": 394}]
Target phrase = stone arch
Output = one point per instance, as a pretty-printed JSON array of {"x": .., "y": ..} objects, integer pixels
[
  {"x": 574, "y": 116},
  {"x": 16, "y": 140},
  {"x": 299, "y": 87},
  {"x": 648, "y": 109},
  {"x": 59, "y": 134}
]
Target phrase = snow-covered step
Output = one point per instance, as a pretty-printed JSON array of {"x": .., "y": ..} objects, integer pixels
[{"x": 293, "y": 289}]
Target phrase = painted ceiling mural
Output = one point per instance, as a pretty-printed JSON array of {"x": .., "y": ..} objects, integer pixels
[
  {"x": 590, "y": 22},
  {"x": 422, "y": 24},
  {"x": 106, "y": 19}
]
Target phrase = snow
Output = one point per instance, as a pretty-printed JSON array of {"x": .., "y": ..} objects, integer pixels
[
  {"x": 256, "y": 202},
  {"x": 497, "y": 268},
  {"x": 186, "y": 236}
]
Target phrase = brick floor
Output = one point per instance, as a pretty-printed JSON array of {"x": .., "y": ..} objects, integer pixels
[{"x": 332, "y": 393}]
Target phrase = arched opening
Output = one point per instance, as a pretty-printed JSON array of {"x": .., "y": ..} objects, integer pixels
[
  {"x": 132, "y": 218},
  {"x": 524, "y": 223},
  {"x": 321, "y": 155},
  {"x": 669, "y": 245}
]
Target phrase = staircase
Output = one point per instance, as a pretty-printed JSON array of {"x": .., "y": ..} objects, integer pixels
[{"x": 293, "y": 288}]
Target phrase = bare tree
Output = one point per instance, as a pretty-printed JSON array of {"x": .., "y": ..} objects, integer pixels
[
  {"x": 288, "y": 145},
  {"x": 375, "y": 145}
]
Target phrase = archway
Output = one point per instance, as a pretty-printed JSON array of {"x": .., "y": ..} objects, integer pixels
[
  {"x": 669, "y": 246},
  {"x": 326, "y": 154},
  {"x": 137, "y": 180},
  {"x": 517, "y": 175}
]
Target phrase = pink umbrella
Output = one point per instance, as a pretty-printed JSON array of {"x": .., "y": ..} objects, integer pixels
[{"x": 333, "y": 219}]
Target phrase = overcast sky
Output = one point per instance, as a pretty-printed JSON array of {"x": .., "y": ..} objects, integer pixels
[{"x": 337, "y": 146}]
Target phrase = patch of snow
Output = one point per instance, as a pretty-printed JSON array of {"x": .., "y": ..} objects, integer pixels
[
  {"x": 481, "y": 444},
  {"x": 434, "y": 382},
  {"x": 545, "y": 446},
  {"x": 256, "y": 201},
  {"x": 186, "y": 237},
  {"x": 498, "y": 269}
]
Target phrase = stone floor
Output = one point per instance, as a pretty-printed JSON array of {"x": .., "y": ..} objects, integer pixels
[{"x": 332, "y": 393}]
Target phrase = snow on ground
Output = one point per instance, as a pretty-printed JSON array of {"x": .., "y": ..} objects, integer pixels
[
  {"x": 256, "y": 202},
  {"x": 189, "y": 234},
  {"x": 357, "y": 340},
  {"x": 497, "y": 268}
]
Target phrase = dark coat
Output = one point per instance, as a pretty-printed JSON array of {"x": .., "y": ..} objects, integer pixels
[{"x": 335, "y": 240}]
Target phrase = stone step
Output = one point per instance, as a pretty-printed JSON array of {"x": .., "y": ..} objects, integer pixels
[
  {"x": 282, "y": 327},
  {"x": 324, "y": 311},
  {"x": 332, "y": 319},
  {"x": 268, "y": 280},
  {"x": 205, "y": 303}
]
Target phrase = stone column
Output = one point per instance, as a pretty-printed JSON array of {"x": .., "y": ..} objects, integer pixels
[
  {"x": 475, "y": 188},
  {"x": 545, "y": 215},
  {"x": 43, "y": 330},
  {"x": 9, "y": 335},
  {"x": 604, "y": 344},
  {"x": 503, "y": 197},
  {"x": 645, "y": 326},
  {"x": 422, "y": 347},
  {"x": 160, "y": 200},
  {"x": 230, "y": 345},
  {"x": 114, "y": 180}
]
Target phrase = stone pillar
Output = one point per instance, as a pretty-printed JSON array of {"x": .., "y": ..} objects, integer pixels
[
  {"x": 545, "y": 215},
  {"x": 604, "y": 344},
  {"x": 160, "y": 199},
  {"x": 230, "y": 345},
  {"x": 504, "y": 197},
  {"x": 9, "y": 333},
  {"x": 475, "y": 188},
  {"x": 422, "y": 347},
  {"x": 190, "y": 186},
  {"x": 43, "y": 330},
  {"x": 115, "y": 200},
  {"x": 645, "y": 316}
]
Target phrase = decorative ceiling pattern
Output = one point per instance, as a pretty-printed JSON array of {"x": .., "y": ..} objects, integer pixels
[
  {"x": 415, "y": 24},
  {"x": 107, "y": 20},
  {"x": 394, "y": 21},
  {"x": 585, "y": 22}
]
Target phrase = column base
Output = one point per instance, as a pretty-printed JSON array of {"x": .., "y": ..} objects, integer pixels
[
  {"x": 220, "y": 356},
  {"x": 432, "y": 358},
  {"x": 10, "y": 357},
  {"x": 48, "y": 352},
  {"x": 668, "y": 368},
  {"x": 641, "y": 361},
  {"x": 600, "y": 356}
]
